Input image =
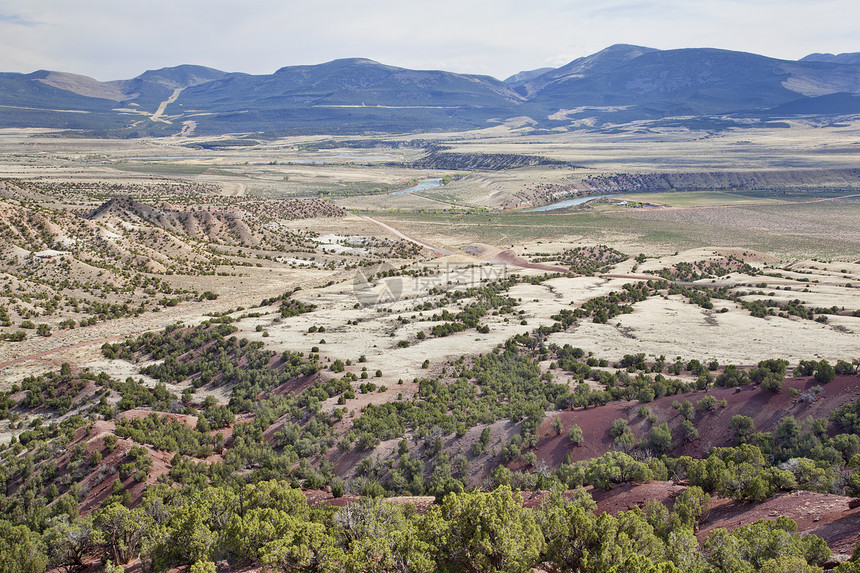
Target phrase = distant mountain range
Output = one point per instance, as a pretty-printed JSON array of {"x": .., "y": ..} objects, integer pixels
[{"x": 359, "y": 96}]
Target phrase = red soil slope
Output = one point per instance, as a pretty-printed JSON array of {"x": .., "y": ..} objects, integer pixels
[{"x": 764, "y": 407}]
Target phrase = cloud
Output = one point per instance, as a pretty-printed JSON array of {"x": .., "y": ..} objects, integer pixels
[
  {"x": 115, "y": 40},
  {"x": 625, "y": 9},
  {"x": 17, "y": 20}
]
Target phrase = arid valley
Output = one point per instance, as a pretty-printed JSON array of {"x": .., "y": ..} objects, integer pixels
[{"x": 394, "y": 316}]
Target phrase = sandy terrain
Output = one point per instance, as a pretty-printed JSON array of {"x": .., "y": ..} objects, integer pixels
[{"x": 677, "y": 328}]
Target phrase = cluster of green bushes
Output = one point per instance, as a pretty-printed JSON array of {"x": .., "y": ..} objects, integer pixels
[
  {"x": 698, "y": 270},
  {"x": 173, "y": 341},
  {"x": 585, "y": 261},
  {"x": 108, "y": 311},
  {"x": 603, "y": 308},
  {"x": 292, "y": 307},
  {"x": 823, "y": 371},
  {"x": 847, "y": 417},
  {"x": 214, "y": 417},
  {"x": 167, "y": 434},
  {"x": 270, "y": 524},
  {"x": 807, "y": 455},
  {"x": 16, "y": 336},
  {"x": 499, "y": 385},
  {"x": 744, "y": 473},
  {"x": 133, "y": 394},
  {"x": 488, "y": 298},
  {"x": 54, "y": 390},
  {"x": 770, "y": 307},
  {"x": 206, "y": 354},
  {"x": 698, "y": 296}
]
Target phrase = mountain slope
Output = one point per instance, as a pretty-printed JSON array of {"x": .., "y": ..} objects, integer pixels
[
  {"x": 831, "y": 104},
  {"x": 56, "y": 91},
  {"x": 603, "y": 62},
  {"x": 152, "y": 87},
  {"x": 62, "y": 100},
  {"x": 351, "y": 95},
  {"x": 689, "y": 82},
  {"x": 525, "y": 76}
]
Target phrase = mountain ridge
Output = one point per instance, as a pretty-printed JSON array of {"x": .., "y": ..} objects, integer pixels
[
  {"x": 845, "y": 58},
  {"x": 623, "y": 82}
]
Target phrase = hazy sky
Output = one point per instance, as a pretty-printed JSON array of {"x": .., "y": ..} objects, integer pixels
[{"x": 119, "y": 39}]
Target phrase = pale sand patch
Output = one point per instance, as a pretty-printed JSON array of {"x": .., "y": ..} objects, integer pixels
[{"x": 676, "y": 328}]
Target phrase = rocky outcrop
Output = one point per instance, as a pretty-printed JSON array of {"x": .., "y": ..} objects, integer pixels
[
  {"x": 704, "y": 181},
  {"x": 480, "y": 161}
]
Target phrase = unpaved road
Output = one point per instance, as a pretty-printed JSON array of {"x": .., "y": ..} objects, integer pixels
[
  {"x": 233, "y": 189},
  {"x": 436, "y": 250},
  {"x": 163, "y": 105}
]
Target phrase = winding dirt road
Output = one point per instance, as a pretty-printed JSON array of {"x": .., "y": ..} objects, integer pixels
[{"x": 436, "y": 250}]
